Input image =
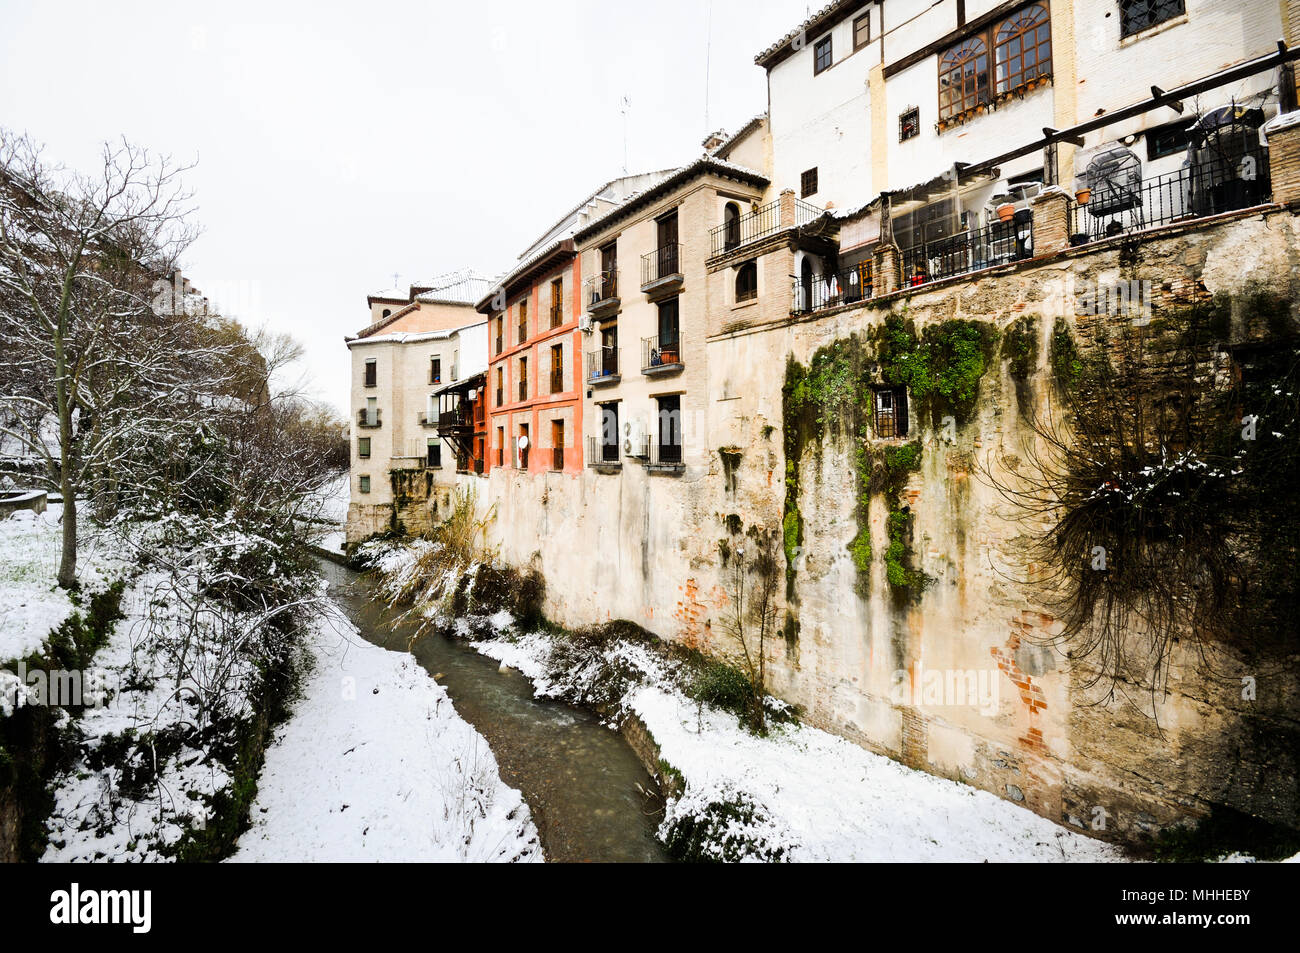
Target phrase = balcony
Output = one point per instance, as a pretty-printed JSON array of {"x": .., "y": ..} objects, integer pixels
[
  {"x": 1218, "y": 184},
  {"x": 832, "y": 290},
  {"x": 972, "y": 250},
  {"x": 661, "y": 271},
  {"x": 602, "y": 366},
  {"x": 602, "y": 456},
  {"x": 757, "y": 224},
  {"x": 455, "y": 421},
  {"x": 427, "y": 420},
  {"x": 665, "y": 358},
  {"x": 369, "y": 420},
  {"x": 602, "y": 292}
]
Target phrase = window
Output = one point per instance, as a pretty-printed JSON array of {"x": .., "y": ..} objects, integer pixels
[
  {"x": 1167, "y": 140},
  {"x": 557, "y": 444},
  {"x": 387, "y": 314},
  {"x": 523, "y": 321},
  {"x": 557, "y": 302},
  {"x": 501, "y": 446},
  {"x": 1022, "y": 48},
  {"x": 668, "y": 327},
  {"x": 861, "y": 31},
  {"x": 670, "y": 429},
  {"x": 731, "y": 219},
  {"x": 891, "y": 412},
  {"x": 909, "y": 124},
  {"x": 822, "y": 54},
  {"x": 363, "y": 448},
  {"x": 963, "y": 77},
  {"x": 808, "y": 182},
  {"x": 372, "y": 373},
  {"x": 1138, "y": 15},
  {"x": 364, "y": 482},
  {"x": 1022, "y": 53},
  {"x": 501, "y": 386},
  {"x": 746, "y": 282},
  {"x": 501, "y": 333},
  {"x": 523, "y": 446},
  {"x": 372, "y": 411},
  {"x": 557, "y": 369},
  {"x": 609, "y": 433},
  {"x": 435, "y": 370},
  {"x": 435, "y": 453},
  {"x": 523, "y": 378}
]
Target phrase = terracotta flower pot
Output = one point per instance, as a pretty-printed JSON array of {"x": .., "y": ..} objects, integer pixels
[
  {"x": 1006, "y": 212},
  {"x": 1082, "y": 196}
]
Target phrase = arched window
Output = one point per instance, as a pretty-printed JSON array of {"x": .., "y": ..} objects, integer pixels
[
  {"x": 1023, "y": 48},
  {"x": 747, "y": 281},
  {"x": 963, "y": 77},
  {"x": 731, "y": 218},
  {"x": 386, "y": 314}
]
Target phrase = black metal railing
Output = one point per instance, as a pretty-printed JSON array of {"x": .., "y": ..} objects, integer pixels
[
  {"x": 602, "y": 287},
  {"x": 602, "y": 363},
  {"x": 971, "y": 250},
  {"x": 670, "y": 453},
  {"x": 600, "y": 453},
  {"x": 1212, "y": 186},
  {"x": 665, "y": 353},
  {"x": 758, "y": 224},
  {"x": 369, "y": 418},
  {"x": 664, "y": 262},
  {"x": 832, "y": 289}
]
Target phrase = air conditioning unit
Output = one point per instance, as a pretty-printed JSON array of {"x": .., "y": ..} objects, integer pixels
[
  {"x": 584, "y": 323},
  {"x": 634, "y": 441}
]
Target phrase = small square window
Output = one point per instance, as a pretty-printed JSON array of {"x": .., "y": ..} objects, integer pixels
[
  {"x": 891, "y": 412},
  {"x": 909, "y": 124},
  {"x": 822, "y": 54},
  {"x": 365, "y": 483},
  {"x": 371, "y": 373},
  {"x": 861, "y": 31},
  {"x": 1138, "y": 15},
  {"x": 1167, "y": 140},
  {"x": 363, "y": 448},
  {"x": 808, "y": 182}
]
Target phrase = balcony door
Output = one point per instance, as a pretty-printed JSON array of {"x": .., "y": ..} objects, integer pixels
[
  {"x": 608, "y": 271},
  {"x": 667, "y": 229},
  {"x": 668, "y": 324},
  {"x": 609, "y": 348}
]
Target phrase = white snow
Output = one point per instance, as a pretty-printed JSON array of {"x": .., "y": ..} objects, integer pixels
[
  {"x": 31, "y": 603},
  {"x": 817, "y": 797},
  {"x": 375, "y": 765}
]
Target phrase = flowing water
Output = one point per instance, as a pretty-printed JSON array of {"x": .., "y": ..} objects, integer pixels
[{"x": 578, "y": 777}]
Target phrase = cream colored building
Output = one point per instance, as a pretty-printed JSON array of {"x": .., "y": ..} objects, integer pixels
[{"x": 408, "y": 352}]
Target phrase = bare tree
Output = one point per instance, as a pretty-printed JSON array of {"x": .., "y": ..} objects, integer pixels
[
  {"x": 755, "y": 571},
  {"x": 92, "y": 366}
]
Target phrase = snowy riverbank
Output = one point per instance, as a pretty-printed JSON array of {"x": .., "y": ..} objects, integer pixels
[{"x": 375, "y": 765}]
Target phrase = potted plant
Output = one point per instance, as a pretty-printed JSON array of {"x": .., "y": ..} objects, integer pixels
[
  {"x": 1083, "y": 195},
  {"x": 1006, "y": 211}
]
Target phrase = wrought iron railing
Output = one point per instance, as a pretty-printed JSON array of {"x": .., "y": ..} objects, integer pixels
[
  {"x": 758, "y": 224},
  {"x": 664, "y": 262},
  {"x": 600, "y": 453},
  {"x": 670, "y": 453},
  {"x": 602, "y": 287},
  {"x": 661, "y": 353},
  {"x": 369, "y": 418},
  {"x": 602, "y": 363},
  {"x": 833, "y": 289},
  {"x": 971, "y": 250},
  {"x": 1212, "y": 186}
]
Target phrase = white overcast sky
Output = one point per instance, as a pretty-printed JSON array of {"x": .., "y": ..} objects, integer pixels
[{"x": 340, "y": 143}]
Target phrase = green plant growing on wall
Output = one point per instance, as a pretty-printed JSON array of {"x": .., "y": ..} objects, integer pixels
[
  {"x": 1020, "y": 350},
  {"x": 752, "y": 583}
]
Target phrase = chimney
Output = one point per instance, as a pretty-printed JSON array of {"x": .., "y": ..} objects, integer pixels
[{"x": 714, "y": 140}]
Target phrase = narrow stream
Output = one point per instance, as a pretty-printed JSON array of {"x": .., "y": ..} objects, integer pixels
[{"x": 578, "y": 777}]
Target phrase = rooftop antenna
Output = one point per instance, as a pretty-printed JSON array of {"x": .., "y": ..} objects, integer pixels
[
  {"x": 396, "y": 275},
  {"x": 708, "y": 56},
  {"x": 625, "y": 107}
]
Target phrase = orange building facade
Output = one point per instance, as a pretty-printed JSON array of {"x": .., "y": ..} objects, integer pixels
[{"x": 534, "y": 379}]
